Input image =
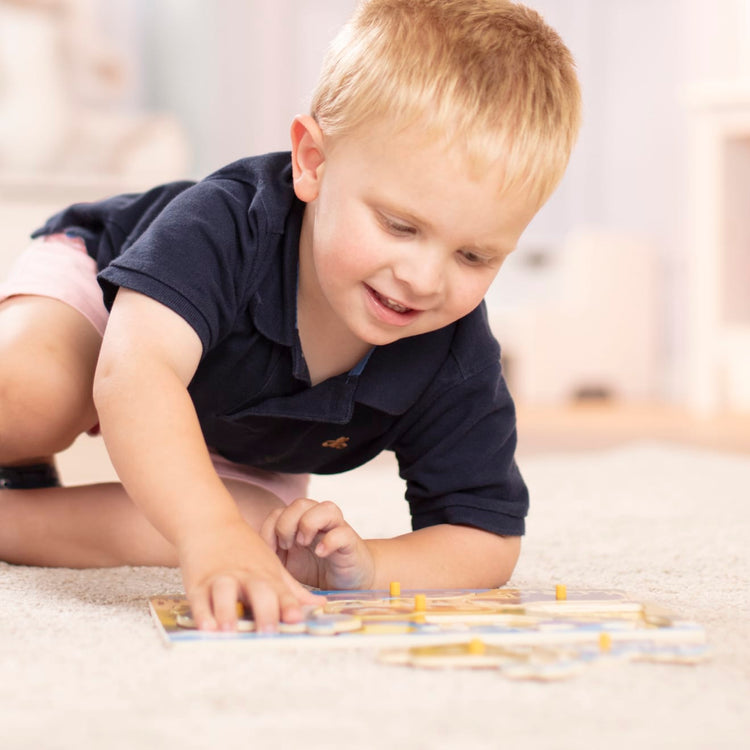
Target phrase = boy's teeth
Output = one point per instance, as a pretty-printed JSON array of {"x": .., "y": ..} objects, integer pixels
[
  {"x": 391, "y": 303},
  {"x": 394, "y": 305}
]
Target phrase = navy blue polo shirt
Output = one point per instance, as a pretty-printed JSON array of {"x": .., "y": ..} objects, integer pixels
[{"x": 223, "y": 254}]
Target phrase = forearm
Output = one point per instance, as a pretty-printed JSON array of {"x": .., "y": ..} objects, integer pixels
[
  {"x": 445, "y": 556},
  {"x": 156, "y": 446}
]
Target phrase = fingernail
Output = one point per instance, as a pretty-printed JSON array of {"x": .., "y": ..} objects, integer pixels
[{"x": 320, "y": 549}]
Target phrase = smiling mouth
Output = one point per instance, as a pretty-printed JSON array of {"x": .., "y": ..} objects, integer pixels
[{"x": 390, "y": 303}]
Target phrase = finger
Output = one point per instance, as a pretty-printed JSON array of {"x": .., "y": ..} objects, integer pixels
[
  {"x": 287, "y": 523},
  {"x": 224, "y": 597},
  {"x": 265, "y": 605},
  {"x": 308, "y": 598},
  {"x": 290, "y": 608},
  {"x": 296, "y": 603},
  {"x": 200, "y": 606},
  {"x": 268, "y": 529},
  {"x": 341, "y": 539},
  {"x": 321, "y": 518}
]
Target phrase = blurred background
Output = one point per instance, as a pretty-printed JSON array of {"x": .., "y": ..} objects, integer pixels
[{"x": 625, "y": 311}]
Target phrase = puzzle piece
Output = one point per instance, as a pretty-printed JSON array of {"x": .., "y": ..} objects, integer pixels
[
  {"x": 515, "y": 662},
  {"x": 316, "y": 622},
  {"x": 322, "y": 623}
]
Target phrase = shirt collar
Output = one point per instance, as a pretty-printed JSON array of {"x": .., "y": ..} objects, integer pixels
[
  {"x": 275, "y": 301},
  {"x": 398, "y": 373}
]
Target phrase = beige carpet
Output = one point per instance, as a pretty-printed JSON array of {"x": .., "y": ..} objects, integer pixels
[{"x": 81, "y": 665}]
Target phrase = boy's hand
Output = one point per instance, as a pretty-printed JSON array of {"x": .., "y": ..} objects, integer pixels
[
  {"x": 318, "y": 547},
  {"x": 221, "y": 566}
]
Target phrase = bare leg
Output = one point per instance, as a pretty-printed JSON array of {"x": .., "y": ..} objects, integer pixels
[
  {"x": 97, "y": 525},
  {"x": 48, "y": 354}
]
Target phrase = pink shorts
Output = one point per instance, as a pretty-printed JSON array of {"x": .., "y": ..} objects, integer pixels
[{"x": 59, "y": 267}]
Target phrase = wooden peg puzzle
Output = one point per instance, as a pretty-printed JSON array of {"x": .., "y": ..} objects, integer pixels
[{"x": 524, "y": 634}]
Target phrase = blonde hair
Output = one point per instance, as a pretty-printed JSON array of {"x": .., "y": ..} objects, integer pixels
[{"x": 489, "y": 75}]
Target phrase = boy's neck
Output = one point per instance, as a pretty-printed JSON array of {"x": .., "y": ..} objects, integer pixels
[{"x": 329, "y": 348}]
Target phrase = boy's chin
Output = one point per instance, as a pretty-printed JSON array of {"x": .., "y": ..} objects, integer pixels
[{"x": 385, "y": 338}]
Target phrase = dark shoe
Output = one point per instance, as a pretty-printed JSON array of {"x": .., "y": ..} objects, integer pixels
[{"x": 32, "y": 477}]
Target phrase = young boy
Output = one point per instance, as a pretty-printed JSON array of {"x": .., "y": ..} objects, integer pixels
[{"x": 296, "y": 314}]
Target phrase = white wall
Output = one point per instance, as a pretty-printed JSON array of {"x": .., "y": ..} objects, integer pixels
[{"x": 236, "y": 71}]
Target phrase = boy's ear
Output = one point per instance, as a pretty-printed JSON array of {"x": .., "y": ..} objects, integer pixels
[{"x": 307, "y": 157}]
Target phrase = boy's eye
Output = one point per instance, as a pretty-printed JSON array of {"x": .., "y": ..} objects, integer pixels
[
  {"x": 472, "y": 258},
  {"x": 396, "y": 227}
]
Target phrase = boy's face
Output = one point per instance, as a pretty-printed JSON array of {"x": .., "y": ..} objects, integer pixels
[{"x": 399, "y": 237}]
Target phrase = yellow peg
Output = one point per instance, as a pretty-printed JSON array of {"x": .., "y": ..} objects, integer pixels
[{"x": 476, "y": 646}]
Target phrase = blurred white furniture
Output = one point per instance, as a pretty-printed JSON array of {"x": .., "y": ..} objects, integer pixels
[
  {"x": 67, "y": 133},
  {"x": 596, "y": 334},
  {"x": 63, "y": 98},
  {"x": 718, "y": 224}
]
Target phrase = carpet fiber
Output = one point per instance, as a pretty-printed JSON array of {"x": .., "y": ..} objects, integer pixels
[{"x": 82, "y": 666}]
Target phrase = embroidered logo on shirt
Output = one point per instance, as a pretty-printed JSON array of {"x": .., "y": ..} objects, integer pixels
[{"x": 338, "y": 444}]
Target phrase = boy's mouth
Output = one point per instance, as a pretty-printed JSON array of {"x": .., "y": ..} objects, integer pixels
[
  {"x": 389, "y": 311},
  {"x": 391, "y": 304}
]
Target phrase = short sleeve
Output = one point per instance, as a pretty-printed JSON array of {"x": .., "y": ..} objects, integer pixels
[
  {"x": 196, "y": 257},
  {"x": 107, "y": 225},
  {"x": 458, "y": 461}
]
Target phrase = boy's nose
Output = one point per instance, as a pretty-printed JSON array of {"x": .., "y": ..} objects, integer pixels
[{"x": 422, "y": 272}]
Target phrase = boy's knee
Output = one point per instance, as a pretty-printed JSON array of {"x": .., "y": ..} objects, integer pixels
[{"x": 40, "y": 413}]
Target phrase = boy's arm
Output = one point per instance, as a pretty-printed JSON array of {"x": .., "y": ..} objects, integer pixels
[
  {"x": 456, "y": 454},
  {"x": 320, "y": 548},
  {"x": 148, "y": 357},
  {"x": 445, "y": 556}
]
